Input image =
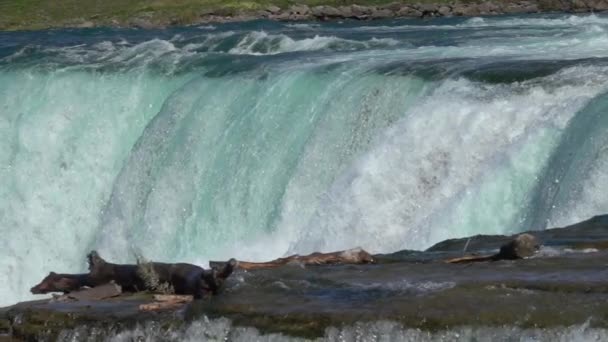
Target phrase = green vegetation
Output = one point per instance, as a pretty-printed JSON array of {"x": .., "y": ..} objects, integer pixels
[{"x": 40, "y": 14}]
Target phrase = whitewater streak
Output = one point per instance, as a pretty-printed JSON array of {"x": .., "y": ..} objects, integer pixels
[{"x": 259, "y": 139}]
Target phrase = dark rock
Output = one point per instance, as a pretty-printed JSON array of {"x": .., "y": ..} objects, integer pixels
[
  {"x": 523, "y": 246},
  {"x": 553, "y": 5}
]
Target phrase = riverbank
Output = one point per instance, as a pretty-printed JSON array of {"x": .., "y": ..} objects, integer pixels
[
  {"x": 562, "y": 290},
  {"x": 36, "y": 15}
]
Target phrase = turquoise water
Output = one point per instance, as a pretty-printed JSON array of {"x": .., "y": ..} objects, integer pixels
[{"x": 261, "y": 139}]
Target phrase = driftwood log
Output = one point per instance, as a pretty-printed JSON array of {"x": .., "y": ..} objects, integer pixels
[
  {"x": 351, "y": 256},
  {"x": 179, "y": 278},
  {"x": 523, "y": 246}
]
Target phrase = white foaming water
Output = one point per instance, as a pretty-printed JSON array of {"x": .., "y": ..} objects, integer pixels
[
  {"x": 261, "y": 43},
  {"x": 294, "y": 156},
  {"x": 58, "y": 164},
  {"x": 463, "y": 161},
  {"x": 223, "y": 330}
]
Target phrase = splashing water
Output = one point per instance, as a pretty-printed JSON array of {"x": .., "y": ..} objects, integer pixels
[{"x": 259, "y": 139}]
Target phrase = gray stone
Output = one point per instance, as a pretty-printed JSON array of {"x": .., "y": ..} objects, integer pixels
[
  {"x": 409, "y": 12},
  {"x": 382, "y": 13},
  {"x": 325, "y": 12},
  {"x": 358, "y": 10},
  {"x": 393, "y": 6},
  {"x": 299, "y": 9},
  {"x": 86, "y": 24},
  {"x": 346, "y": 11},
  {"x": 444, "y": 11},
  {"x": 465, "y": 10},
  {"x": 273, "y": 9},
  {"x": 283, "y": 16},
  {"x": 429, "y": 8},
  {"x": 142, "y": 23}
]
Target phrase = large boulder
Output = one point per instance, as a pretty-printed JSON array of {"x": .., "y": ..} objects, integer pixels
[
  {"x": 299, "y": 10},
  {"x": 323, "y": 12},
  {"x": 465, "y": 10},
  {"x": 444, "y": 11},
  {"x": 358, "y": 10}
]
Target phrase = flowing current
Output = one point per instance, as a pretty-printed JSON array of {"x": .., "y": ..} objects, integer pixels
[{"x": 260, "y": 139}]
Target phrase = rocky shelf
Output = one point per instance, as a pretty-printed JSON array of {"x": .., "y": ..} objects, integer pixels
[{"x": 565, "y": 284}]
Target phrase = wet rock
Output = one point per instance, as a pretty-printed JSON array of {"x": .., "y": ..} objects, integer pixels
[{"x": 523, "y": 246}]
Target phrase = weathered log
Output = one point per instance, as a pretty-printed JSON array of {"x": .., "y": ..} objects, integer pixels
[{"x": 351, "y": 256}]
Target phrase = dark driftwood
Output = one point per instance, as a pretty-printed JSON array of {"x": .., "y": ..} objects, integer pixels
[
  {"x": 351, "y": 256},
  {"x": 182, "y": 278},
  {"x": 523, "y": 246},
  {"x": 59, "y": 282}
]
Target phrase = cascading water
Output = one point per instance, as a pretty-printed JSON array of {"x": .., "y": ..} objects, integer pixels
[{"x": 260, "y": 139}]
